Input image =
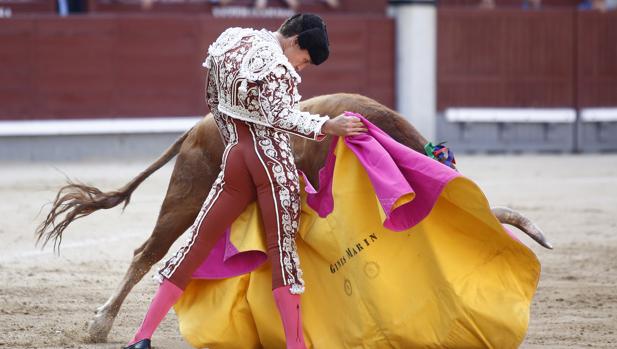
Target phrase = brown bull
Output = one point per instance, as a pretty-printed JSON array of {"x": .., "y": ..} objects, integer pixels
[{"x": 199, "y": 153}]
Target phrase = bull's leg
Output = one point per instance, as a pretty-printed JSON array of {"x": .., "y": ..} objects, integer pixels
[
  {"x": 144, "y": 257},
  {"x": 189, "y": 184}
]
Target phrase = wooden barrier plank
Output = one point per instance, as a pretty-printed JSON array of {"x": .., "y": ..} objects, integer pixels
[
  {"x": 17, "y": 83},
  {"x": 505, "y": 58},
  {"x": 546, "y": 4},
  {"x": 72, "y": 66},
  {"x": 381, "y": 68},
  {"x": 597, "y": 59},
  {"x": 21, "y": 7},
  {"x": 157, "y": 66}
]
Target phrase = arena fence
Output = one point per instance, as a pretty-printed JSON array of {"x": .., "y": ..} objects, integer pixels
[
  {"x": 116, "y": 65},
  {"x": 505, "y": 62}
]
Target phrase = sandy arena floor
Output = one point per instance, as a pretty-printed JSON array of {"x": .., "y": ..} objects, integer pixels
[{"x": 45, "y": 300}]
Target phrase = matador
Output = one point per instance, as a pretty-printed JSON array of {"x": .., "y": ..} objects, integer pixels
[{"x": 252, "y": 92}]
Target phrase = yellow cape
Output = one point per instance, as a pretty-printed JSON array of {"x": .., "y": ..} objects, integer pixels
[{"x": 456, "y": 280}]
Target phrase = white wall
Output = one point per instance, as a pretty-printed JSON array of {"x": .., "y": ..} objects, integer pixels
[{"x": 416, "y": 59}]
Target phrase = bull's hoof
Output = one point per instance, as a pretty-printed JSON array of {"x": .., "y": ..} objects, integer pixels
[{"x": 99, "y": 327}]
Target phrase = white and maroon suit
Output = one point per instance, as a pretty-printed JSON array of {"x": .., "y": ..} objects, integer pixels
[{"x": 252, "y": 93}]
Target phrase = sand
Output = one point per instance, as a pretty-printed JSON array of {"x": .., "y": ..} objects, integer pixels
[{"x": 46, "y": 299}]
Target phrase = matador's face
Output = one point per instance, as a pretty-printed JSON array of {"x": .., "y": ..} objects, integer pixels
[{"x": 298, "y": 57}]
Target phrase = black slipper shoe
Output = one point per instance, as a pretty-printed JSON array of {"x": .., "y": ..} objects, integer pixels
[{"x": 142, "y": 344}]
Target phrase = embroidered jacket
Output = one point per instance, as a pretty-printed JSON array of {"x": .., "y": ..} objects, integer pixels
[{"x": 251, "y": 79}]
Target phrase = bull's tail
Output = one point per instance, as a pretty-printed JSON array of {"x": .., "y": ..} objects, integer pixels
[{"x": 77, "y": 200}]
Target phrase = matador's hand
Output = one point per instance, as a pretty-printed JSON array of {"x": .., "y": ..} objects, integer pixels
[{"x": 344, "y": 125}]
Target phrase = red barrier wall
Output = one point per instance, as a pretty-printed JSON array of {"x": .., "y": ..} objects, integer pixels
[
  {"x": 546, "y": 4},
  {"x": 505, "y": 58},
  {"x": 514, "y": 58},
  {"x": 375, "y": 7},
  {"x": 150, "y": 64},
  {"x": 597, "y": 59},
  {"x": 19, "y": 7},
  {"x": 136, "y": 65}
]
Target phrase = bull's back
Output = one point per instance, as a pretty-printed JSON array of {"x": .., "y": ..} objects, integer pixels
[{"x": 310, "y": 155}]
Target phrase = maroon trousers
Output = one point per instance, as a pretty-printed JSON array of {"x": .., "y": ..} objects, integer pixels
[{"x": 257, "y": 164}]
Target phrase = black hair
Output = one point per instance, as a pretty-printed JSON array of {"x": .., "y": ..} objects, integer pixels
[{"x": 312, "y": 35}]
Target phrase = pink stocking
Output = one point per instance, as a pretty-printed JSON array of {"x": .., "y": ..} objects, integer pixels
[
  {"x": 165, "y": 297},
  {"x": 289, "y": 308}
]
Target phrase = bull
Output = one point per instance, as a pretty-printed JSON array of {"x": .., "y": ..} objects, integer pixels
[{"x": 199, "y": 152}]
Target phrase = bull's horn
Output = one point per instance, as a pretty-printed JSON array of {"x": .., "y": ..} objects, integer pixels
[{"x": 509, "y": 216}]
